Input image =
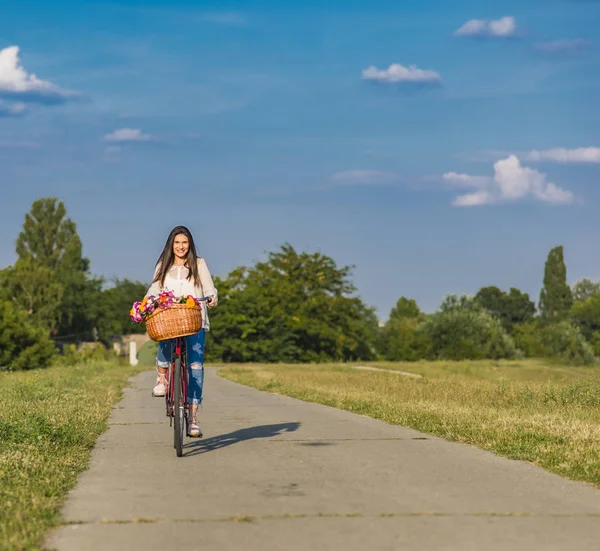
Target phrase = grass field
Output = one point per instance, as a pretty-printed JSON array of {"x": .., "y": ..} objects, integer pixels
[
  {"x": 147, "y": 354},
  {"x": 543, "y": 413},
  {"x": 49, "y": 421}
]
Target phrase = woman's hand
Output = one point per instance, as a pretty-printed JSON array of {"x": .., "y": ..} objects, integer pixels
[{"x": 212, "y": 301}]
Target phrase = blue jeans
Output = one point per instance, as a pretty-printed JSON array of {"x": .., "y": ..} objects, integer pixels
[{"x": 194, "y": 345}]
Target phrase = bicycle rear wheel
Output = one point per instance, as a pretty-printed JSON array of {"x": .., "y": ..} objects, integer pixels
[{"x": 179, "y": 408}]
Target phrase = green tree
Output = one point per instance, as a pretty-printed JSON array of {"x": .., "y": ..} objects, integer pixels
[
  {"x": 114, "y": 304},
  {"x": 400, "y": 338},
  {"x": 586, "y": 314},
  {"x": 34, "y": 288},
  {"x": 556, "y": 297},
  {"x": 23, "y": 345},
  {"x": 49, "y": 244},
  {"x": 584, "y": 289},
  {"x": 566, "y": 341},
  {"x": 49, "y": 238},
  {"x": 294, "y": 307},
  {"x": 463, "y": 329},
  {"x": 510, "y": 308},
  {"x": 405, "y": 308}
]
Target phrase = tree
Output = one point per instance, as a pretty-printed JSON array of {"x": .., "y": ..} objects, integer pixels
[
  {"x": 510, "y": 308},
  {"x": 294, "y": 307},
  {"x": 114, "y": 304},
  {"x": 49, "y": 238},
  {"x": 23, "y": 345},
  {"x": 36, "y": 289},
  {"x": 584, "y": 289},
  {"x": 566, "y": 341},
  {"x": 49, "y": 244},
  {"x": 556, "y": 297},
  {"x": 405, "y": 308},
  {"x": 463, "y": 329},
  {"x": 400, "y": 338},
  {"x": 586, "y": 314}
]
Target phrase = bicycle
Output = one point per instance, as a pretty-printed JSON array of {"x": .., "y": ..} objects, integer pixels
[{"x": 176, "y": 394}]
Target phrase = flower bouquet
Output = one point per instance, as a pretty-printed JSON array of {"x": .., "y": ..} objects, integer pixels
[{"x": 167, "y": 316}]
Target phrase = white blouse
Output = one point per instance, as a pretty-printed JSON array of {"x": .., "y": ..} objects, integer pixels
[{"x": 177, "y": 282}]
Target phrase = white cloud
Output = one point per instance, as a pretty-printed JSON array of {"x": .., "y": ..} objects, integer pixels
[
  {"x": 562, "y": 155},
  {"x": 128, "y": 135},
  {"x": 511, "y": 182},
  {"x": 17, "y": 84},
  {"x": 465, "y": 180},
  {"x": 571, "y": 45},
  {"x": 473, "y": 199},
  {"x": 499, "y": 28},
  {"x": 364, "y": 177},
  {"x": 398, "y": 73}
]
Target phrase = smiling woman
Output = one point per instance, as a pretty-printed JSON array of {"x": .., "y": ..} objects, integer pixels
[{"x": 181, "y": 271}]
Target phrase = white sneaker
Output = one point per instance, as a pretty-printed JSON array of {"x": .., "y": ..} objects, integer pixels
[
  {"x": 194, "y": 431},
  {"x": 159, "y": 390}
]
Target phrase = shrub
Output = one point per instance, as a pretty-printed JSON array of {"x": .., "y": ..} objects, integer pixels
[
  {"x": 463, "y": 330},
  {"x": 401, "y": 340},
  {"x": 72, "y": 356},
  {"x": 595, "y": 342},
  {"x": 566, "y": 341},
  {"x": 23, "y": 345},
  {"x": 527, "y": 338}
]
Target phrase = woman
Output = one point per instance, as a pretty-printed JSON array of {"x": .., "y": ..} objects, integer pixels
[{"x": 180, "y": 270}]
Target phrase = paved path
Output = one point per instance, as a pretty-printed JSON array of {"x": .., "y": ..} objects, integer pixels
[{"x": 273, "y": 473}]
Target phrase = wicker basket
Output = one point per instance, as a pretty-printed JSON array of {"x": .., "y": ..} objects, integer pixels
[{"x": 177, "y": 321}]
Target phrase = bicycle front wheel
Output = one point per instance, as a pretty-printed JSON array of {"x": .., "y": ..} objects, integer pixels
[{"x": 179, "y": 408}]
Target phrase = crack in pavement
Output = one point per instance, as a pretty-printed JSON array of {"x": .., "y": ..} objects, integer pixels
[{"x": 285, "y": 516}]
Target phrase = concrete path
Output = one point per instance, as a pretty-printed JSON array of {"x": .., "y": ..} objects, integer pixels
[{"x": 273, "y": 473}]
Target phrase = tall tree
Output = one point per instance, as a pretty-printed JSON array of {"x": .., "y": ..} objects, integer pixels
[
  {"x": 556, "y": 297},
  {"x": 49, "y": 238},
  {"x": 49, "y": 244}
]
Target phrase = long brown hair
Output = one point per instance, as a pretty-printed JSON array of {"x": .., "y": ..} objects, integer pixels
[{"x": 167, "y": 257}]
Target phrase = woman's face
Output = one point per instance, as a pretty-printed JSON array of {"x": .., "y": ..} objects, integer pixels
[{"x": 181, "y": 246}]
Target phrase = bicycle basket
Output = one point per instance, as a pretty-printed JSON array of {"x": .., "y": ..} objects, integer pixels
[{"x": 177, "y": 321}]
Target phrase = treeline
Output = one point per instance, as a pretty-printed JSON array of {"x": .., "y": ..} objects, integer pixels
[
  {"x": 50, "y": 301},
  {"x": 299, "y": 307},
  {"x": 292, "y": 307}
]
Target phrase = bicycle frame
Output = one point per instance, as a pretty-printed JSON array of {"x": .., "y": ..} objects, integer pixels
[
  {"x": 178, "y": 412},
  {"x": 179, "y": 351}
]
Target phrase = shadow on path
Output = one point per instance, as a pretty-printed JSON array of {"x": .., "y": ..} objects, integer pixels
[{"x": 216, "y": 442}]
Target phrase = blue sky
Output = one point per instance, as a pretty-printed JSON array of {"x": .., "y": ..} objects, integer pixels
[{"x": 437, "y": 146}]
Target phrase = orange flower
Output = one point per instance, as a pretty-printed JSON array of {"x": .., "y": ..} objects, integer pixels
[{"x": 190, "y": 303}]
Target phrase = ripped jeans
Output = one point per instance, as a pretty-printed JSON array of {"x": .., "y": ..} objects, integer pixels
[{"x": 194, "y": 345}]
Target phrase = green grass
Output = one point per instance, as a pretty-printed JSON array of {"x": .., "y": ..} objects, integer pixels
[
  {"x": 49, "y": 421},
  {"x": 147, "y": 354},
  {"x": 546, "y": 414}
]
